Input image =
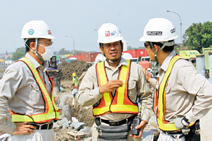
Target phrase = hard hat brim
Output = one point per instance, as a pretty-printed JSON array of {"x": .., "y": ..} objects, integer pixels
[
  {"x": 143, "y": 38},
  {"x": 110, "y": 40},
  {"x": 34, "y": 37}
]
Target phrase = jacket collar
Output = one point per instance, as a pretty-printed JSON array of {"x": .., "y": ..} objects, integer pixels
[{"x": 166, "y": 62}]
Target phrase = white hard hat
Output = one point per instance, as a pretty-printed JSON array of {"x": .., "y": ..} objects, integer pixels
[
  {"x": 36, "y": 29},
  {"x": 158, "y": 30},
  {"x": 109, "y": 33}
]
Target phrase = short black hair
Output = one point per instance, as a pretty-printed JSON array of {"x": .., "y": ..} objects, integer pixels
[
  {"x": 27, "y": 44},
  {"x": 101, "y": 44},
  {"x": 166, "y": 48}
]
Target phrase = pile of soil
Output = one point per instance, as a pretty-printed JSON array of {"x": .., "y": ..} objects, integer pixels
[{"x": 65, "y": 70}]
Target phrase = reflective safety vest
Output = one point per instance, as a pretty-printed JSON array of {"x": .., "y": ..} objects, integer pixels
[
  {"x": 51, "y": 111},
  {"x": 75, "y": 82},
  {"x": 120, "y": 102},
  {"x": 159, "y": 108}
]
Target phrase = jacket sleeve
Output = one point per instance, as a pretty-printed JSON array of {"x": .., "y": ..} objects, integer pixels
[
  {"x": 146, "y": 99},
  {"x": 9, "y": 83},
  {"x": 88, "y": 92},
  {"x": 197, "y": 85}
]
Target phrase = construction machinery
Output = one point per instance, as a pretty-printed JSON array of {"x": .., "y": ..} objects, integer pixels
[{"x": 189, "y": 55}]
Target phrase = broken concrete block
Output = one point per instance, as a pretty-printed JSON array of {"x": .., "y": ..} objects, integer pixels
[
  {"x": 77, "y": 125},
  {"x": 86, "y": 130}
]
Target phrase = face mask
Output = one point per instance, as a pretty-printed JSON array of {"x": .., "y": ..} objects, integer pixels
[{"x": 49, "y": 51}]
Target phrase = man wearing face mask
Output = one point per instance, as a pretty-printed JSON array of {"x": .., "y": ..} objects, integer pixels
[{"x": 27, "y": 106}]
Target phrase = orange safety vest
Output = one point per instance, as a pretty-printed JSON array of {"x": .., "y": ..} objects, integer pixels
[
  {"x": 160, "y": 99},
  {"x": 120, "y": 102},
  {"x": 51, "y": 111}
]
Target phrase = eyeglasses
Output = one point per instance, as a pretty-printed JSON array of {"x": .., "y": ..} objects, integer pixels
[
  {"x": 46, "y": 43},
  {"x": 146, "y": 44}
]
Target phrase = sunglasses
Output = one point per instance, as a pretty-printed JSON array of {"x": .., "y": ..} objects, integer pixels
[{"x": 146, "y": 44}]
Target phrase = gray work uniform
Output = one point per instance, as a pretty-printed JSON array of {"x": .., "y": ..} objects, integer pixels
[
  {"x": 137, "y": 86},
  {"x": 20, "y": 92},
  {"x": 188, "y": 93}
]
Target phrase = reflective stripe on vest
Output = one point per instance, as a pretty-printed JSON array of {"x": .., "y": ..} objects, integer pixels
[
  {"x": 120, "y": 103},
  {"x": 51, "y": 110},
  {"x": 159, "y": 109}
]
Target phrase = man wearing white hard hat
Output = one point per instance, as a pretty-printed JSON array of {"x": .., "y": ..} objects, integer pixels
[
  {"x": 27, "y": 106},
  {"x": 182, "y": 95},
  {"x": 112, "y": 88}
]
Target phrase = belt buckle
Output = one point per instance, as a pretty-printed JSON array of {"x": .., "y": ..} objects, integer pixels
[
  {"x": 40, "y": 125},
  {"x": 113, "y": 123}
]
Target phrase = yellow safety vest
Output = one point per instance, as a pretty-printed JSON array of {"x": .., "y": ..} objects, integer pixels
[
  {"x": 51, "y": 110},
  {"x": 159, "y": 109},
  {"x": 120, "y": 102}
]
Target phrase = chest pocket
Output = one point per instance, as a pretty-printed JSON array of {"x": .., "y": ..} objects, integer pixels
[
  {"x": 35, "y": 94},
  {"x": 131, "y": 84},
  {"x": 132, "y": 90},
  {"x": 168, "y": 89}
]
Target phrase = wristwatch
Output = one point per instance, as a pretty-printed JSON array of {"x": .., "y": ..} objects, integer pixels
[{"x": 185, "y": 122}]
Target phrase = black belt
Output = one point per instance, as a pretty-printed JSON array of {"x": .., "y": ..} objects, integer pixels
[
  {"x": 44, "y": 126},
  {"x": 113, "y": 123},
  {"x": 172, "y": 132}
]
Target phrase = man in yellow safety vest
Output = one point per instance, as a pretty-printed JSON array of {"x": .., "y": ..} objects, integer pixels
[
  {"x": 112, "y": 87},
  {"x": 28, "y": 108},
  {"x": 182, "y": 95}
]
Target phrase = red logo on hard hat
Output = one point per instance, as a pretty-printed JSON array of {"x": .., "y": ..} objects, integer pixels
[
  {"x": 49, "y": 32},
  {"x": 107, "y": 33}
]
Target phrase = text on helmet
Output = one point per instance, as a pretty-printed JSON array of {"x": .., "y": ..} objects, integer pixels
[
  {"x": 172, "y": 30},
  {"x": 154, "y": 33}
]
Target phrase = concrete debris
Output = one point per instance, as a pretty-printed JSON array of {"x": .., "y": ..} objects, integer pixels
[
  {"x": 75, "y": 133},
  {"x": 57, "y": 126},
  {"x": 77, "y": 125},
  {"x": 66, "y": 111},
  {"x": 74, "y": 119},
  {"x": 88, "y": 139},
  {"x": 64, "y": 123},
  {"x": 86, "y": 130}
]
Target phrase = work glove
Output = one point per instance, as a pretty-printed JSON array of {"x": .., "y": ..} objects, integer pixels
[{"x": 180, "y": 123}]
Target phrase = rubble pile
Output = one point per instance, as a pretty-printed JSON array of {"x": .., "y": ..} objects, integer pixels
[
  {"x": 65, "y": 69},
  {"x": 74, "y": 121}
]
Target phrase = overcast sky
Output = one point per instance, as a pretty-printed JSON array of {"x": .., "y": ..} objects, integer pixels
[{"x": 81, "y": 19}]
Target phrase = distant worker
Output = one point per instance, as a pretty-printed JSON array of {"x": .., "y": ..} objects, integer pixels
[
  {"x": 112, "y": 87},
  {"x": 75, "y": 84},
  {"x": 28, "y": 109},
  {"x": 182, "y": 95}
]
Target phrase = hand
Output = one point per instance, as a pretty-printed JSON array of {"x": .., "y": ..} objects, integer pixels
[
  {"x": 110, "y": 86},
  {"x": 147, "y": 74},
  {"x": 22, "y": 128},
  {"x": 141, "y": 126}
]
